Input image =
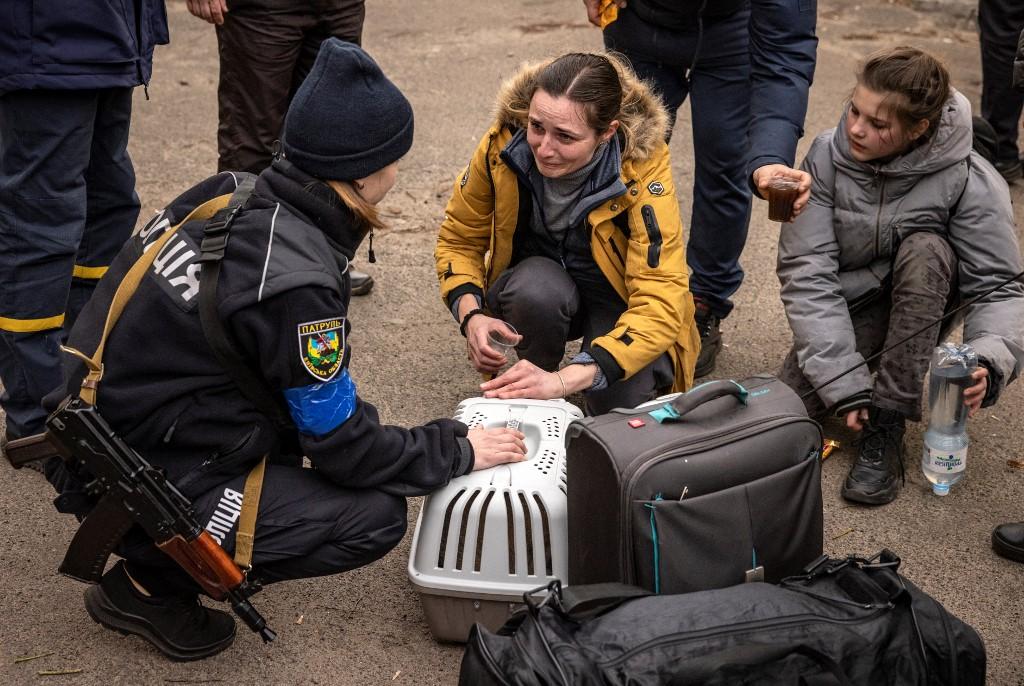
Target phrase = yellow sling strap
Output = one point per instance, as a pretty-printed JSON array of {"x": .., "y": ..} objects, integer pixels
[
  {"x": 247, "y": 519},
  {"x": 125, "y": 290}
]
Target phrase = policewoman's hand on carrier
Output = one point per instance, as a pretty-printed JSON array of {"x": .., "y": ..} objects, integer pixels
[{"x": 492, "y": 447}]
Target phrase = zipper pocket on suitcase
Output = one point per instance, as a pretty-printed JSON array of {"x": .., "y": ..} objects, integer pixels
[{"x": 643, "y": 462}]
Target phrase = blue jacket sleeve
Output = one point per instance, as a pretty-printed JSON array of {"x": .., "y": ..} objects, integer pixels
[{"x": 783, "y": 48}]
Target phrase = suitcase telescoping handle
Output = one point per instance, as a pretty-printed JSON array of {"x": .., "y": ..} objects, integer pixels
[{"x": 706, "y": 392}]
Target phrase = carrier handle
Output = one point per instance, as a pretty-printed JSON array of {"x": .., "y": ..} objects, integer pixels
[{"x": 698, "y": 395}]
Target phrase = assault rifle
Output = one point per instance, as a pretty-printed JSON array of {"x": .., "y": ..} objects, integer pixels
[{"x": 131, "y": 491}]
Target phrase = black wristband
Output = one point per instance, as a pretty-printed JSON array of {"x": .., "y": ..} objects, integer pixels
[{"x": 469, "y": 315}]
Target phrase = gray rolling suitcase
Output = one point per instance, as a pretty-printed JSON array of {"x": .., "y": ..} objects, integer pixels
[{"x": 717, "y": 486}]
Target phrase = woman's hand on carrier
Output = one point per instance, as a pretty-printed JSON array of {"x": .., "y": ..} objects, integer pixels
[
  {"x": 974, "y": 395},
  {"x": 524, "y": 379},
  {"x": 481, "y": 354},
  {"x": 496, "y": 446}
]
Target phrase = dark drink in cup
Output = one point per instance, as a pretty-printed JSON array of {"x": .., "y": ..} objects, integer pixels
[{"x": 782, "y": 193}]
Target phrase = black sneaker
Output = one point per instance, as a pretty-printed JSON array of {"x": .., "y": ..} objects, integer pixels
[
  {"x": 1011, "y": 169},
  {"x": 362, "y": 283},
  {"x": 178, "y": 626},
  {"x": 878, "y": 473},
  {"x": 710, "y": 338}
]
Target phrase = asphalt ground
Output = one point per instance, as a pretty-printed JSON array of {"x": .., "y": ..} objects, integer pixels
[{"x": 367, "y": 626}]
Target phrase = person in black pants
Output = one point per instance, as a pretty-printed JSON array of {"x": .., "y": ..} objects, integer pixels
[
  {"x": 1000, "y": 23},
  {"x": 746, "y": 66},
  {"x": 67, "y": 184},
  {"x": 266, "y": 48}
]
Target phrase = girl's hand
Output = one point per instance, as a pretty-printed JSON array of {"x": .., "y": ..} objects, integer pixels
[
  {"x": 973, "y": 395},
  {"x": 762, "y": 175},
  {"x": 496, "y": 446},
  {"x": 524, "y": 380},
  {"x": 857, "y": 419},
  {"x": 483, "y": 357}
]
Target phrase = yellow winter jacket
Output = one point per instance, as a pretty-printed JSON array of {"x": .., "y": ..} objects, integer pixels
[{"x": 647, "y": 268}]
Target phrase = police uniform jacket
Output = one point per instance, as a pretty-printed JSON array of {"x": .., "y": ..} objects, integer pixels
[
  {"x": 636, "y": 236},
  {"x": 283, "y": 295}
]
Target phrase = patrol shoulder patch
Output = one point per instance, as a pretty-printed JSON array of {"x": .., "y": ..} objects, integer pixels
[
  {"x": 656, "y": 187},
  {"x": 322, "y": 346}
]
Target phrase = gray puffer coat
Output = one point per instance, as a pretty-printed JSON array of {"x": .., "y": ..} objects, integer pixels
[{"x": 839, "y": 251}]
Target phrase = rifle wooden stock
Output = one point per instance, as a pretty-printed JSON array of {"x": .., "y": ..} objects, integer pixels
[
  {"x": 21, "y": 451},
  {"x": 206, "y": 562}
]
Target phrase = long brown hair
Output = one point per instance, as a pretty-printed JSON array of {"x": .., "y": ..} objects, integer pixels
[
  {"x": 915, "y": 85},
  {"x": 365, "y": 213}
]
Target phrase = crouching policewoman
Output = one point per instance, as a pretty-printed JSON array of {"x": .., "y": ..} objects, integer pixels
[{"x": 171, "y": 387}]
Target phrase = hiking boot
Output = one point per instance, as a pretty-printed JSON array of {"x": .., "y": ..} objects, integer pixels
[
  {"x": 177, "y": 625},
  {"x": 710, "y": 338},
  {"x": 362, "y": 283},
  {"x": 1011, "y": 169},
  {"x": 877, "y": 475}
]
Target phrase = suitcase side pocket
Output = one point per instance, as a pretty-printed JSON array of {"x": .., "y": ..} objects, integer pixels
[{"x": 710, "y": 541}]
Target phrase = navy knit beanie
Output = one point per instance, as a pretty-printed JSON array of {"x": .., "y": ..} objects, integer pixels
[{"x": 347, "y": 120}]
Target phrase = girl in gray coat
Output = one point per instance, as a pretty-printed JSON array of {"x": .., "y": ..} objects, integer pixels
[{"x": 904, "y": 220}]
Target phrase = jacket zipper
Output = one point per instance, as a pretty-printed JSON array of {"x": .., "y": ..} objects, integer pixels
[
  {"x": 684, "y": 637},
  {"x": 642, "y": 463},
  {"x": 878, "y": 218}
]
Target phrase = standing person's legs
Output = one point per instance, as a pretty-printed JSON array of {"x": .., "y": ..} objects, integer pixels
[
  {"x": 259, "y": 45},
  {"x": 334, "y": 18},
  {"x": 538, "y": 298},
  {"x": 720, "y": 95},
  {"x": 112, "y": 206},
  {"x": 1000, "y": 23},
  {"x": 45, "y": 141}
]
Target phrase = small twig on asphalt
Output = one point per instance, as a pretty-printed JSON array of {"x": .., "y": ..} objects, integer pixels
[
  {"x": 193, "y": 681},
  {"x": 396, "y": 675},
  {"x": 845, "y": 533},
  {"x": 59, "y": 672},
  {"x": 33, "y": 657}
]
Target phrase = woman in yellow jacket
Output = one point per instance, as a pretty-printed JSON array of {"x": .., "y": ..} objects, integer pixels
[{"x": 565, "y": 224}]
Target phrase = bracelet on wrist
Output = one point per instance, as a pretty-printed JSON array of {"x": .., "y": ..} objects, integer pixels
[
  {"x": 469, "y": 315},
  {"x": 564, "y": 392}
]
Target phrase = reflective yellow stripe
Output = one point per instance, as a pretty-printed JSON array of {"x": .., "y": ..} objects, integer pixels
[
  {"x": 88, "y": 272},
  {"x": 30, "y": 325}
]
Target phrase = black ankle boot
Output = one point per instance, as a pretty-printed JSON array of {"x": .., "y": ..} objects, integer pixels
[
  {"x": 710, "y": 338},
  {"x": 878, "y": 473},
  {"x": 177, "y": 625}
]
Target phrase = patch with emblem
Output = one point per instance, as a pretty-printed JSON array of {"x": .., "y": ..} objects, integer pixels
[
  {"x": 656, "y": 187},
  {"x": 322, "y": 346}
]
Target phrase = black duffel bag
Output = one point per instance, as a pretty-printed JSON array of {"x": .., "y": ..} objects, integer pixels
[{"x": 845, "y": 621}]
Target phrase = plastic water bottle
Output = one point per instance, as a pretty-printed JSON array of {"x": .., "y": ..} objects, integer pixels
[{"x": 945, "y": 440}]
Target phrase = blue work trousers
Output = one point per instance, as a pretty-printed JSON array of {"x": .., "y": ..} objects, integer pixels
[
  {"x": 67, "y": 205},
  {"x": 719, "y": 90}
]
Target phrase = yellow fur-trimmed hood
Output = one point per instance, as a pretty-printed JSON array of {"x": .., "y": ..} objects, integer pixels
[{"x": 643, "y": 122}]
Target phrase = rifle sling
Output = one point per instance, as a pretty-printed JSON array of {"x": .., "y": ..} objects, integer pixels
[{"x": 246, "y": 534}]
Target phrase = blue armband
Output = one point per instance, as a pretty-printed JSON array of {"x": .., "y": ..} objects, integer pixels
[{"x": 321, "y": 408}]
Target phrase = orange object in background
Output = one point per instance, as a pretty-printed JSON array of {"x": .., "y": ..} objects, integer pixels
[{"x": 827, "y": 447}]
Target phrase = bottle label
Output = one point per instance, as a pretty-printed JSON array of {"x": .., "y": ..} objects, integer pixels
[{"x": 946, "y": 461}]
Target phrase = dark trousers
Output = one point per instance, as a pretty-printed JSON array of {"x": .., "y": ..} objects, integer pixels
[
  {"x": 1000, "y": 23},
  {"x": 719, "y": 90},
  {"x": 923, "y": 286},
  {"x": 306, "y": 526},
  {"x": 539, "y": 298},
  {"x": 266, "y": 49},
  {"x": 67, "y": 205}
]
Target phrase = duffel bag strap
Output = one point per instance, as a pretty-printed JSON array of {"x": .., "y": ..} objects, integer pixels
[{"x": 581, "y": 603}]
